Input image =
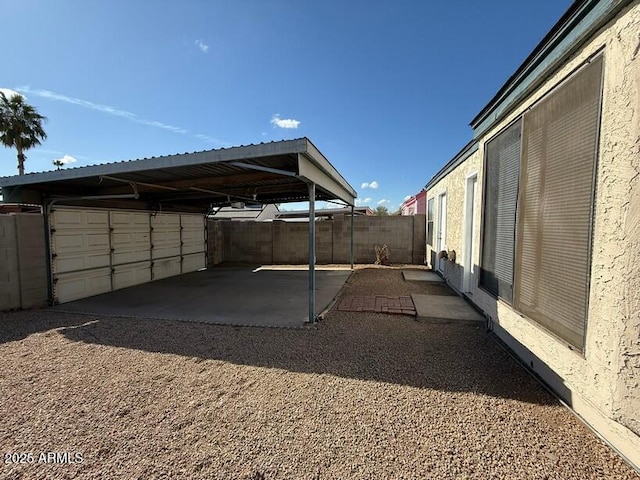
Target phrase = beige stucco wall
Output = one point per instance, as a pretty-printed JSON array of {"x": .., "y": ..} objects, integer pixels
[
  {"x": 454, "y": 185},
  {"x": 603, "y": 383}
]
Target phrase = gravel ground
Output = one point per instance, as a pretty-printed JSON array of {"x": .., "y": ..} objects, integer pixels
[{"x": 364, "y": 396}]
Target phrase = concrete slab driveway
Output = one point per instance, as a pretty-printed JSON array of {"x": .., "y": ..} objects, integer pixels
[{"x": 230, "y": 296}]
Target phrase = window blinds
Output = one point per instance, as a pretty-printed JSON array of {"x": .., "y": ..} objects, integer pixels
[
  {"x": 559, "y": 147},
  {"x": 502, "y": 172}
]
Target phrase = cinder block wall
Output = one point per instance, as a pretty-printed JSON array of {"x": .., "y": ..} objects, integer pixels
[
  {"x": 9, "y": 274},
  {"x": 247, "y": 242},
  {"x": 23, "y": 271},
  {"x": 215, "y": 242},
  {"x": 288, "y": 242}
]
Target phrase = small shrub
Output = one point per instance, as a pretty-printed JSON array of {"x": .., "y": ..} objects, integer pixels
[{"x": 382, "y": 255}]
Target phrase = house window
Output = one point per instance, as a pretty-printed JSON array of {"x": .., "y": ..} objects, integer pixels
[
  {"x": 502, "y": 167},
  {"x": 430, "y": 222},
  {"x": 559, "y": 145}
]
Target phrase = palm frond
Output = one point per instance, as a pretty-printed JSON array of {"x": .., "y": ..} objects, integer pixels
[{"x": 20, "y": 126}]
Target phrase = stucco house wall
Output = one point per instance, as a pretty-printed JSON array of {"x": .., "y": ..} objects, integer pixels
[
  {"x": 602, "y": 383},
  {"x": 453, "y": 185}
]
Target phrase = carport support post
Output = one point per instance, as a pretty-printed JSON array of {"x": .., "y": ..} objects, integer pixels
[
  {"x": 312, "y": 252},
  {"x": 351, "y": 251}
]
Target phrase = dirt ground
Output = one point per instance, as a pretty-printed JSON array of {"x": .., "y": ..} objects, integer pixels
[{"x": 364, "y": 396}]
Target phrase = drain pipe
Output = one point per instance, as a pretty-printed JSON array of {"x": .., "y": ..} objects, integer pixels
[{"x": 46, "y": 213}]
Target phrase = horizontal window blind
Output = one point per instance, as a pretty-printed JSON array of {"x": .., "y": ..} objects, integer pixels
[
  {"x": 559, "y": 145},
  {"x": 502, "y": 173}
]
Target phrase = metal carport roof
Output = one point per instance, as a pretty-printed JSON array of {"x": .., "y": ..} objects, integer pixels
[{"x": 276, "y": 172}]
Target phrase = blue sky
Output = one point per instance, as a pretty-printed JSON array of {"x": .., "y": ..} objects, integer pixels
[{"x": 385, "y": 89}]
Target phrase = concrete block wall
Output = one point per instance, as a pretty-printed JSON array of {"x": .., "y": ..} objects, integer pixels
[
  {"x": 23, "y": 271},
  {"x": 419, "y": 239},
  {"x": 215, "y": 242},
  {"x": 340, "y": 239},
  {"x": 248, "y": 242},
  {"x": 288, "y": 242},
  {"x": 399, "y": 233},
  {"x": 324, "y": 242},
  {"x": 9, "y": 274}
]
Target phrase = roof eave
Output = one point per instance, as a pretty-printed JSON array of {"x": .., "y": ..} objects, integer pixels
[
  {"x": 468, "y": 150},
  {"x": 579, "y": 22}
]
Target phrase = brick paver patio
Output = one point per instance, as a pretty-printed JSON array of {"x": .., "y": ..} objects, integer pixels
[{"x": 378, "y": 304}]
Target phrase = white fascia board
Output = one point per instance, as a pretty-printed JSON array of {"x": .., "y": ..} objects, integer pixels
[{"x": 310, "y": 172}]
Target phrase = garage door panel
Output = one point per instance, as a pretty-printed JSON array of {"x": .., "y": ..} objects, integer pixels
[
  {"x": 76, "y": 285},
  {"x": 79, "y": 243},
  {"x": 167, "y": 267},
  {"x": 130, "y": 247},
  {"x": 85, "y": 261},
  {"x": 95, "y": 251},
  {"x": 193, "y": 241},
  {"x": 71, "y": 218},
  {"x": 165, "y": 236},
  {"x": 193, "y": 222},
  {"x": 193, "y": 234},
  {"x": 192, "y": 263},
  {"x": 166, "y": 246},
  {"x": 129, "y": 220},
  {"x": 166, "y": 222},
  {"x": 132, "y": 274},
  {"x": 80, "y": 240}
]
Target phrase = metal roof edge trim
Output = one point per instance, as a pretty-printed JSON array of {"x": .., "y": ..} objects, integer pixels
[
  {"x": 320, "y": 161},
  {"x": 578, "y": 24},
  {"x": 281, "y": 147},
  {"x": 466, "y": 151}
]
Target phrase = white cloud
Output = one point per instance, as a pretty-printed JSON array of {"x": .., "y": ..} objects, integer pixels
[
  {"x": 9, "y": 93},
  {"x": 407, "y": 198},
  {"x": 276, "y": 121},
  {"x": 46, "y": 151},
  {"x": 202, "y": 46},
  {"x": 113, "y": 111},
  {"x": 363, "y": 201},
  {"x": 373, "y": 185},
  {"x": 209, "y": 139},
  {"x": 66, "y": 159},
  {"x": 383, "y": 201}
]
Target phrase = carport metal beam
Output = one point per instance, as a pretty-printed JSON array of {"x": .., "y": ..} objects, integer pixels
[
  {"x": 312, "y": 252},
  {"x": 351, "y": 249}
]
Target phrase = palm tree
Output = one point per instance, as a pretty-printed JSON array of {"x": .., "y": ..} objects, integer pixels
[
  {"x": 58, "y": 163},
  {"x": 20, "y": 126}
]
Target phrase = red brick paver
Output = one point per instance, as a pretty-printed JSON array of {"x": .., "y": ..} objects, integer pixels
[{"x": 379, "y": 304}]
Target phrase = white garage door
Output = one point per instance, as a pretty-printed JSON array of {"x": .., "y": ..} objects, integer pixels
[
  {"x": 95, "y": 251},
  {"x": 194, "y": 242}
]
